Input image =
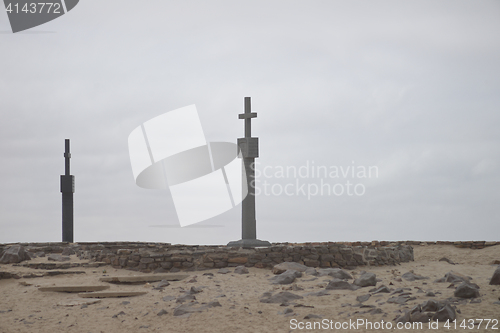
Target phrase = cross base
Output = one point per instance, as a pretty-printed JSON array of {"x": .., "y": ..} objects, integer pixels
[{"x": 249, "y": 243}]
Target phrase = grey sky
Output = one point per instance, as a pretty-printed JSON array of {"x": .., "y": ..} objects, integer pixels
[{"x": 412, "y": 87}]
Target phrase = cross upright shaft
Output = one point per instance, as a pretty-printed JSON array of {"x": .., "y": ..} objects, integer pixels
[
  {"x": 248, "y": 149},
  {"x": 248, "y": 115}
]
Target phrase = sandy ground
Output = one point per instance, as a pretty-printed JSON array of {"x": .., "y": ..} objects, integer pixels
[{"x": 23, "y": 308}]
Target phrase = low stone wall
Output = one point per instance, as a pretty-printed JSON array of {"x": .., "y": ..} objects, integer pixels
[
  {"x": 164, "y": 257},
  {"x": 161, "y": 257}
]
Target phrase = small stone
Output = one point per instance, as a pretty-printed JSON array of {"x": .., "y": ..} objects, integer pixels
[
  {"x": 312, "y": 316},
  {"x": 223, "y": 271},
  {"x": 121, "y": 313},
  {"x": 195, "y": 290},
  {"x": 363, "y": 298},
  {"x": 337, "y": 284},
  {"x": 162, "y": 312},
  {"x": 444, "y": 314},
  {"x": 366, "y": 279},
  {"x": 281, "y": 297},
  {"x": 213, "y": 304},
  {"x": 284, "y": 266},
  {"x": 409, "y": 276},
  {"x": 465, "y": 290},
  {"x": 495, "y": 279},
  {"x": 430, "y": 305},
  {"x": 287, "y": 277},
  {"x": 163, "y": 284},
  {"x": 318, "y": 293},
  {"x": 58, "y": 257},
  {"x": 241, "y": 270},
  {"x": 447, "y": 260},
  {"x": 335, "y": 273},
  {"x": 421, "y": 317},
  {"x": 381, "y": 289}
]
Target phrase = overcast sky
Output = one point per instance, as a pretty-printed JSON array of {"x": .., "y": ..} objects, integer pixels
[{"x": 409, "y": 87}]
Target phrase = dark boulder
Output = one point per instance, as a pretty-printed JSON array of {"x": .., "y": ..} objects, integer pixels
[
  {"x": 366, "y": 279},
  {"x": 495, "y": 279},
  {"x": 466, "y": 290},
  {"x": 14, "y": 254}
]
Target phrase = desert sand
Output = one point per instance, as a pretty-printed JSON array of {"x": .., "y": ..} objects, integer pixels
[{"x": 24, "y": 308}]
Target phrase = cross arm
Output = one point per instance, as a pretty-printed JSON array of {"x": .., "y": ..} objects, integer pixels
[{"x": 247, "y": 115}]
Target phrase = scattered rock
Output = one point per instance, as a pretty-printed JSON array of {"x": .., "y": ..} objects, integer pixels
[
  {"x": 312, "y": 316},
  {"x": 186, "y": 297},
  {"x": 431, "y": 305},
  {"x": 495, "y": 279},
  {"x": 14, "y": 254},
  {"x": 430, "y": 294},
  {"x": 241, "y": 270},
  {"x": 213, "y": 304},
  {"x": 445, "y": 313},
  {"x": 162, "y": 312},
  {"x": 334, "y": 272},
  {"x": 453, "y": 277},
  {"x": 363, "y": 298},
  {"x": 409, "y": 276},
  {"x": 421, "y": 317},
  {"x": 337, "y": 284},
  {"x": 163, "y": 284},
  {"x": 195, "y": 290},
  {"x": 398, "y": 299},
  {"x": 318, "y": 293},
  {"x": 284, "y": 266},
  {"x": 68, "y": 251},
  {"x": 366, "y": 279},
  {"x": 168, "y": 298},
  {"x": 186, "y": 309},
  {"x": 311, "y": 271},
  {"x": 287, "y": 277},
  {"x": 58, "y": 257},
  {"x": 223, "y": 271},
  {"x": 121, "y": 313},
  {"x": 208, "y": 274},
  {"x": 447, "y": 260},
  {"x": 466, "y": 290},
  {"x": 281, "y": 297},
  {"x": 381, "y": 289}
]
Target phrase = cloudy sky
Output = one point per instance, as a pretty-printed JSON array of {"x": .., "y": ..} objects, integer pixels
[{"x": 411, "y": 88}]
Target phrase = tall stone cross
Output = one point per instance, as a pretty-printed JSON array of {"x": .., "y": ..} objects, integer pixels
[
  {"x": 249, "y": 150},
  {"x": 67, "y": 189}
]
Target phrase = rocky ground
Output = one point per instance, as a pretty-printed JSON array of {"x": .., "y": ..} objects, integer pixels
[{"x": 444, "y": 282}]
